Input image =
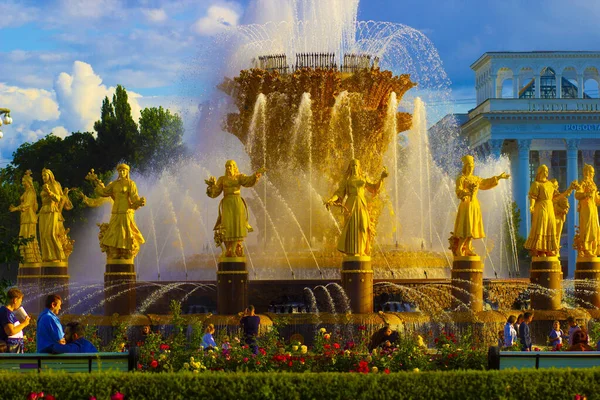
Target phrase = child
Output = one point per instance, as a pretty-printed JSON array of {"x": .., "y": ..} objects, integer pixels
[
  {"x": 500, "y": 339},
  {"x": 226, "y": 345},
  {"x": 208, "y": 342},
  {"x": 555, "y": 336}
]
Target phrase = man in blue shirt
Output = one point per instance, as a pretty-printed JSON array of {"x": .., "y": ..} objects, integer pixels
[
  {"x": 250, "y": 323},
  {"x": 524, "y": 332},
  {"x": 76, "y": 343},
  {"x": 49, "y": 329}
]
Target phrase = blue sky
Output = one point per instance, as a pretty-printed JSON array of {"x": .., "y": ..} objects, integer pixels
[{"x": 59, "y": 58}]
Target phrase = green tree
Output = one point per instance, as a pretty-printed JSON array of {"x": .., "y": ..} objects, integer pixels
[
  {"x": 160, "y": 139},
  {"x": 116, "y": 132}
]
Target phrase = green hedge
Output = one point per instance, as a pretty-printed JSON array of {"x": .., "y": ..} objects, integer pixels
[{"x": 508, "y": 384}]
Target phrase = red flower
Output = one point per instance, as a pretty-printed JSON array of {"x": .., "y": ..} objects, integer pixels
[
  {"x": 117, "y": 396},
  {"x": 327, "y": 346},
  {"x": 245, "y": 359},
  {"x": 336, "y": 346},
  {"x": 92, "y": 397},
  {"x": 140, "y": 366},
  {"x": 386, "y": 371},
  {"x": 257, "y": 362},
  {"x": 290, "y": 363},
  {"x": 49, "y": 397},
  {"x": 262, "y": 351},
  {"x": 154, "y": 364},
  {"x": 32, "y": 396},
  {"x": 362, "y": 328},
  {"x": 164, "y": 347}
]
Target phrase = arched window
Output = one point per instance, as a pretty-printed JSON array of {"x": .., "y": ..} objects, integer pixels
[
  {"x": 547, "y": 84},
  {"x": 590, "y": 89},
  {"x": 507, "y": 89}
]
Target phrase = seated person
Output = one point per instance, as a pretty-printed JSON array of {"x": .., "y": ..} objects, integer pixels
[
  {"x": 76, "y": 343},
  {"x": 580, "y": 341},
  {"x": 384, "y": 338}
]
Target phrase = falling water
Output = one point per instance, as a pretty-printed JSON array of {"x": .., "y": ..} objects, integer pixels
[
  {"x": 390, "y": 124},
  {"x": 258, "y": 122},
  {"x": 155, "y": 243},
  {"x": 341, "y": 119},
  {"x": 179, "y": 243}
]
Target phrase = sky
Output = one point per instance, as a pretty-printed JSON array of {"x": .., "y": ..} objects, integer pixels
[{"x": 60, "y": 58}]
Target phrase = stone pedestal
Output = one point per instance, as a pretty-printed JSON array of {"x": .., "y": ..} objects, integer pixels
[
  {"x": 545, "y": 276},
  {"x": 54, "y": 279},
  {"x": 28, "y": 280},
  {"x": 119, "y": 287},
  {"x": 587, "y": 282},
  {"x": 232, "y": 285},
  {"x": 357, "y": 281},
  {"x": 467, "y": 283}
]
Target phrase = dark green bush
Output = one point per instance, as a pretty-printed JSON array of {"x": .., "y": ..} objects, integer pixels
[{"x": 511, "y": 384}]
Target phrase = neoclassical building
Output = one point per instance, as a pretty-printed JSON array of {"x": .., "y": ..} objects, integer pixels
[{"x": 537, "y": 108}]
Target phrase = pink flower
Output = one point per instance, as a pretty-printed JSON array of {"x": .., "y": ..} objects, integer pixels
[
  {"x": 92, "y": 397},
  {"x": 117, "y": 396}
]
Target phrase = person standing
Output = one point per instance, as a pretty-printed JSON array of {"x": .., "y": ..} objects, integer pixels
[
  {"x": 510, "y": 333},
  {"x": 555, "y": 336},
  {"x": 49, "y": 329},
  {"x": 525, "y": 333},
  {"x": 10, "y": 324},
  {"x": 250, "y": 323},
  {"x": 573, "y": 327}
]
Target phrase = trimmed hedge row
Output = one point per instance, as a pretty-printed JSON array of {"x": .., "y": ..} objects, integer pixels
[{"x": 508, "y": 384}]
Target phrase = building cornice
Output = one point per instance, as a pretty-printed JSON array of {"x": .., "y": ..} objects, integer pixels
[{"x": 488, "y": 56}]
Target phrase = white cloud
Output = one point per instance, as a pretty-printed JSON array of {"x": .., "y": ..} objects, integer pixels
[
  {"x": 90, "y": 9},
  {"x": 60, "y": 131},
  {"x": 80, "y": 97},
  {"x": 13, "y": 14},
  {"x": 29, "y": 104},
  {"x": 155, "y": 14},
  {"x": 218, "y": 19}
]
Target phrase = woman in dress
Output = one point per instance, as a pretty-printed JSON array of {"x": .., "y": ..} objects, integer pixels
[
  {"x": 232, "y": 225},
  {"x": 589, "y": 227},
  {"x": 357, "y": 233},
  {"x": 469, "y": 223},
  {"x": 50, "y": 227},
  {"x": 30, "y": 251},
  {"x": 542, "y": 240},
  {"x": 122, "y": 238}
]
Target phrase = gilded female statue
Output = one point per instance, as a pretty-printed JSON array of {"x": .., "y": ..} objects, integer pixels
[
  {"x": 357, "y": 233},
  {"x": 542, "y": 240},
  {"x": 469, "y": 223},
  {"x": 30, "y": 251},
  {"x": 120, "y": 238},
  {"x": 51, "y": 227},
  {"x": 232, "y": 225},
  {"x": 586, "y": 240},
  {"x": 561, "y": 206}
]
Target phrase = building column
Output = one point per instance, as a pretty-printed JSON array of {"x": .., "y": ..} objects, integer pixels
[
  {"x": 496, "y": 147},
  {"x": 515, "y": 86},
  {"x": 580, "y": 86},
  {"x": 537, "y": 86},
  {"x": 572, "y": 174},
  {"x": 495, "y": 87},
  {"x": 546, "y": 158},
  {"x": 558, "y": 86},
  {"x": 522, "y": 186}
]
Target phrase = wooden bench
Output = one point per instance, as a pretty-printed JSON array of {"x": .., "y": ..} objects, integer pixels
[
  {"x": 73, "y": 362},
  {"x": 542, "y": 359}
]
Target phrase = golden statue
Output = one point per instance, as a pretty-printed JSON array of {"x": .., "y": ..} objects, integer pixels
[
  {"x": 120, "y": 238},
  {"x": 543, "y": 240},
  {"x": 469, "y": 223},
  {"x": 232, "y": 224},
  {"x": 358, "y": 231},
  {"x": 55, "y": 243},
  {"x": 30, "y": 252},
  {"x": 586, "y": 240},
  {"x": 561, "y": 206}
]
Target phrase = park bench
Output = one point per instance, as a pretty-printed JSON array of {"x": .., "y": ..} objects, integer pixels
[
  {"x": 542, "y": 359},
  {"x": 73, "y": 362}
]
